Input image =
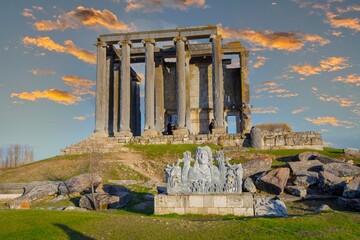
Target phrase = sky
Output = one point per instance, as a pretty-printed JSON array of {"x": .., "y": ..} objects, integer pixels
[{"x": 304, "y": 63}]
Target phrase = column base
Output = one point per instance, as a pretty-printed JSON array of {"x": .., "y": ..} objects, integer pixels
[
  {"x": 180, "y": 132},
  {"x": 124, "y": 133},
  {"x": 150, "y": 133},
  {"x": 219, "y": 130},
  {"x": 100, "y": 134}
]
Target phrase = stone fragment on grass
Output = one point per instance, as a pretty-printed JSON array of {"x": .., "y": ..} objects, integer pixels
[
  {"x": 306, "y": 156},
  {"x": 104, "y": 201},
  {"x": 306, "y": 178},
  {"x": 298, "y": 191},
  {"x": 19, "y": 204},
  {"x": 352, "y": 152},
  {"x": 342, "y": 169},
  {"x": 266, "y": 207},
  {"x": 79, "y": 183},
  {"x": 256, "y": 166},
  {"x": 274, "y": 181},
  {"x": 349, "y": 204},
  {"x": 249, "y": 185},
  {"x": 312, "y": 165},
  {"x": 352, "y": 189},
  {"x": 323, "y": 208},
  {"x": 328, "y": 182}
]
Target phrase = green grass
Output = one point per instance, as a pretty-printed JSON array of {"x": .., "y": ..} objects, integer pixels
[{"x": 37, "y": 224}]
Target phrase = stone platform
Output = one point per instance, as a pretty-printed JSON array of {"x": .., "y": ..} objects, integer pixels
[{"x": 208, "y": 204}]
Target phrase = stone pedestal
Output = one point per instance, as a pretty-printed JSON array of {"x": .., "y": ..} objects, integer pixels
[
  {"x": 150, "y": 133},
  {"x": 219, "y": 131},
  {"x": 124, "y": 133},
  {"x": 180, "y": 132},
  {"x": 206, "y": 204}
]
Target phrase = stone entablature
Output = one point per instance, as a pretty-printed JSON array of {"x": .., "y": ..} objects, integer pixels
[{"x": 263, "y": 139}]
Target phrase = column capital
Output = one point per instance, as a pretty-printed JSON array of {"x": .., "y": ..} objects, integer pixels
[
  {"x": 179, "y": 38},
  {"x": 125, "y": 42},
  {"x": 148, "y": 40},
  {"x": 216, "y": 37},
  {"x": 100, "y": 44}
]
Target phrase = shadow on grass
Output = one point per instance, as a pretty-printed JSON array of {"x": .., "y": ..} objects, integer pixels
[{"x": 72, "y": 234}]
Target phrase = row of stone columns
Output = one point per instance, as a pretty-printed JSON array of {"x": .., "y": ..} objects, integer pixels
[{"x": 105, "y": 66}]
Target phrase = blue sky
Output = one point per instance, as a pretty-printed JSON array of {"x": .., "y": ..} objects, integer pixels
[{"x": 304, "y": 62}]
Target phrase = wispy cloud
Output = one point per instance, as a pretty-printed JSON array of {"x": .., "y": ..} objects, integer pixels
[
  {"x": 79, "y": 118},
  {"x": 287, "y": 95},
  {"x": 82, "y": 86},
  {"x": 330, "y": 121},
  {"x": 352, "y": 8},
  {"x": 28, "y": 13},
  {"x": 83, "y": 17},
  {"x": 69, "y": 48},
  {"x": 263, "y": 110},
  {"x": 327, "y": 65},
  {"x": 267, "y": 39},
  {"x": 299, "y": 110},
  {"x": 342, "y": 101},
  {"x": 159, "y": 5},
  {"x": 42, "y": 72},
  {"x": 351, "y": 79},
  {"x": 260, "y": 61},
  {"x": 58, "y": 96}
]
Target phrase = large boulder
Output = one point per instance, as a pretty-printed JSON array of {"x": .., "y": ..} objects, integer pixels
[
  {"x": 104, "y": 201},
  {"x": 349, "y": 204},
  {"x": 298, "y": 191},
  {"x": 328, "y": 182},
  {"x": 306, "y": 156},
  {"x": 312, "y": 165},
  {"x": 352, "y": 189},
  {"x": 352, "y": 152},
  {"x": 274, "y": 181},
  {"x": 305, "y": 178},
  {"x": 342, "y": 169},
  {"x": 79, "y": 183},
  {"x": 324, "y": 159},
  {"x": 19, "y": 203},
  {"x": 269, "y": 207},
  {"x": 256, "y": 166}
]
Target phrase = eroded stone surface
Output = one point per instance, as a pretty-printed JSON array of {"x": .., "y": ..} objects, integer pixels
[
  {"x": 269, "y": 207},
  {"x": 256, "y": 166},
  {"x": 274, "y": 181}
]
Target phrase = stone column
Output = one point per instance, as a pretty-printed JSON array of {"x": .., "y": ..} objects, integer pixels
[
  {"x": 149, "y": 129},
  {"x": 188, "y": 118},
  {"x": 110, "y": 86},
  {"x": 159, "y": 95},
  {"x": 102, "y": 93},
  {"x": 245, "y": 116},
  {"x": 116, "y": 103},
  {"x": 125, "y": 90},
  {"x": 218, "y": 84},
  {"x": 181, "y": 85}
]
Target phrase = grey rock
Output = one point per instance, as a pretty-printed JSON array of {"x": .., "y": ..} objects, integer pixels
[
  {"x": 323, "y": 208},
  {"x": 73, "y": 208},
  {"x": 39, "y": 190},
  {"x": 352, "y": 152},
  {"x": 79, "y": 183},
  {"x": 249, "y": 185},
  {"x": 111, "y": 189},
  {"x": 342, "y": 169},
  {"x": 104, "y": 201},
  {"x": 125, "y": 182},
  {"x": 257, "y": 140},
  {"x": 270, "y": 207},
  {"x": 328, "y": 182},
  {"x": 306, "y": 156},
  {"x": 58, "y": 198},
  {"x": 149, "y": 184},
  {"x": 18, "y": 203},
  {"x": 306, "y": 178},
  {"x": 352, "y": 189},
  {"x": 274, "y": 181},
  {"x": 298, "y": 191},
  {"x": 256, "y": 166},
  {"x": 143, "y": 206},
  {"x": 149, "y": 197},
  {"x": 324, "y": 159},
  {"x": 312, "y": 165},
  {"x": 349, "y": 204}
]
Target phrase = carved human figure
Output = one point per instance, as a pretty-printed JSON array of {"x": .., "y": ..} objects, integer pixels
[{"x": 203, "y": 168}]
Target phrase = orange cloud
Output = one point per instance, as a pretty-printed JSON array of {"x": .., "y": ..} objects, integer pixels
[
  {"x": 270, "y": 84},
  {"x": 338, "y": 22},
  {"x": 264, "y": 110},
  {"x": 42, "y": 71},
  {"x": 58, "y": 96},
  {"x": 80, "y": 118},
  {"x": 287, "y": 95},
  {"x": 81, "y": 85},
  {"x": 279, "y": 90},
  {"x": 69, "y": 48},
  {"x": 349, "y": 9},
  {"x": 352, "y": 79},
  {"x": 306, "y": 70},
  {"x": 331, "y": 121},
  {"x": 328, "y": 65},
  {"x": 296, "y": 111},
  {"x": 287, "y": 41},
  {"x": 28, "y": 13},
  {"x": 343, "y": 102},
  {"x": 159, "y": 5},
  {"x": 88, "y": 17},
  {"x": 260, "y": 61}
]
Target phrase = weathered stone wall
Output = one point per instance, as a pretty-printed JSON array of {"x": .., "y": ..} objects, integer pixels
[
  {"x": 234, "y": 204},
  {"x": 263, "y": 139}
]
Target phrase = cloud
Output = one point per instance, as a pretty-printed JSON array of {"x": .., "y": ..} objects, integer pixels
[
  {"x": 159, "y": 5},
  {"x": 58, "y": 96},
  {"x": 299, "y": 110},
  {"x": 42, "y": 72},
  {"x": 69, "y": 48},
  {"x": 351, "y": 78},
  {"x": 287, "y": 95},
  {"x": 38, "y": 8},
  {"x": 343, "y": 102},
  {"x": 270, "y": 84},
  {"x": 327, "y": 65},
  {"x": 79, "y": 118},
  {"x": 264, "y": 110},
  {"x": 83, "y": 17},
  {"x": 330, "y": 121},
  {"x": 28, "y": 13},
  {"x": 336, "y": 33},
  {"x": 348, "y": 9},
  {"x": 279, "y": 90},
  {"x": 260, "y": 61},
  {"x": 267, "y": 39},
  {"x": 82, "y": 86},
  {"x": 306, "y": 70}
]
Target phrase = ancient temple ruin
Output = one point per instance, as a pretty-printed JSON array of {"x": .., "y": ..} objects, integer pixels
[{"x": 187, "y": 83}]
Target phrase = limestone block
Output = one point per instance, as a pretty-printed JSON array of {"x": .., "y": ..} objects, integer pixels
[
  {"x": 306, "y": 178},
  {"x": 274, "y": 181},
  {"x": 257, "y": 140},
  {"x": 196, "y": 201},
  {"x": 352, "y": 189},
  {"x": 269, "y": 207},
  {"x": 180, "y": 211},
  {"x": 313, "y": 165},
  {"x": 342, "y": 169},
  {"x": 220, "y": 201},
  {"x": 256, "y": 166},
  {"x": 234, "y": 201},
  {"x": 305, "y": 156},
  {"x": 208, "y": 201},
  {"x": 225, "y": 211},
  {"x": 352, "y": 152},
  {"x": 213, "y": 211}
]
